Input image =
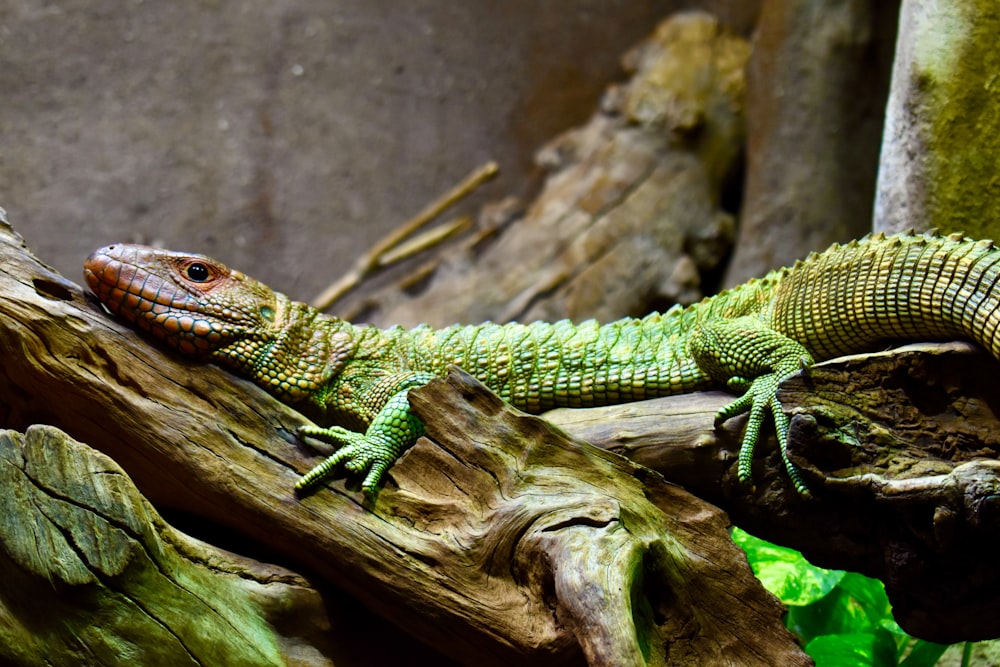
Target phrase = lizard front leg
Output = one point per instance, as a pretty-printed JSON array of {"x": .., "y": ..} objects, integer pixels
[
  {"x": 749, "y": 356},
  {"x": 393, "y": 429}
]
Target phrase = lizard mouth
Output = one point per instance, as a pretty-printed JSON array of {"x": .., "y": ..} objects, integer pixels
[
  {"x": 115, "y": 274},
  {"x": 124, "y": 288},
  {"x": 109, "y": 278}
]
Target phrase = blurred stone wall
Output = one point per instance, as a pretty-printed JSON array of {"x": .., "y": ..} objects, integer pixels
[{"x": 284, "y": 137}]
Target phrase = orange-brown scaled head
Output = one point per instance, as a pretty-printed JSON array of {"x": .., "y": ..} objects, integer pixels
[{"x": 193, "y": 303}]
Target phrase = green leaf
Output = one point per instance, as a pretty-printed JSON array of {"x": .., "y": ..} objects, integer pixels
[
  {"x": 837, "y": 613},
  {"x": 843, "y": 618},
  {"x": 870, "y": 596},
  {"x": 924, "y": 654},
  {"x": 852, "y": 650},
  {"x": 888, "y": 647},
  {"x": 785, "y": 572}
]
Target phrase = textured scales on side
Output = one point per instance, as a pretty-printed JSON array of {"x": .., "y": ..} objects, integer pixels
[{"x": 850, "y": 298}]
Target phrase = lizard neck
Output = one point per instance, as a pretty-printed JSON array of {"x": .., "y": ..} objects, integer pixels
[{"x": 297, "y": 356}]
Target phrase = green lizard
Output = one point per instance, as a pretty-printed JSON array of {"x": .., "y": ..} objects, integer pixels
[{"x": 850, "y": 298}]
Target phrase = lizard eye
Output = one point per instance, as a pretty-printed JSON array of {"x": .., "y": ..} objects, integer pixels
[{"x": 197, "y": 272}]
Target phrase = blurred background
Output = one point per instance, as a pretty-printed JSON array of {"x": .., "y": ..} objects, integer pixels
[{"x": 284, "y": 138}]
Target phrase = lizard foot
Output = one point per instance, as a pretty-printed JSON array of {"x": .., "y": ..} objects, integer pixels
[
  {"x": 752, "y": 359},
  {"x": 760, "y": 398},
  {"x": 360, "y": 453}
]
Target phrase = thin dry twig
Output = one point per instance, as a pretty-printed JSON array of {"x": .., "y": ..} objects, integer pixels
[
  {"x": 376, "y": 257},
  {"x": 425, "y": 240}
]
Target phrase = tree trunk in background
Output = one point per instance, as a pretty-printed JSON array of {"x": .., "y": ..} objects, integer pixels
[
  {"x": 817, "y": 83},
  {"x": 942, "y": 130}
]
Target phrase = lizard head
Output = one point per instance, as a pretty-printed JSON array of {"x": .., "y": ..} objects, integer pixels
[
  {"x": 193, "y": 303},
  {"x": 204, "y": 309}
]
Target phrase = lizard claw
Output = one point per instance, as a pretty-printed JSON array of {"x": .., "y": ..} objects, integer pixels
[
  {"x": 329, "y": 434},
  {"x": 394, "y": 429},
  {"x": 742, "y": 404},
  {"x": 360, "y": 453},
  {"x": 759, "y": 399}
]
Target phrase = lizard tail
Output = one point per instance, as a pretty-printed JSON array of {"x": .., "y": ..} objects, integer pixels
[{"x": 877, "y": 290}]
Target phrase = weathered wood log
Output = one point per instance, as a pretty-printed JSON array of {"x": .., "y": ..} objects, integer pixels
[
  {"x": 528, "y": 547},
  {"x": 569, "y": 525},
  {"x": 92, "y": 575},
  {"x": 899, "y": 449},
  {"x": 904, "y": 445}
]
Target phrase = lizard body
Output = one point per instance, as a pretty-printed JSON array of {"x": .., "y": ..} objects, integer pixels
[{"x": 850, "y": 298}]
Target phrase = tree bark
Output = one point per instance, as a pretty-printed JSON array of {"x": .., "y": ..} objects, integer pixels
[
  {"x": 92, "y": 575},
  {"x": 937, "y": 168},
  {"x": 505, "y": 541},
  {"x": 818, "y": 74}
]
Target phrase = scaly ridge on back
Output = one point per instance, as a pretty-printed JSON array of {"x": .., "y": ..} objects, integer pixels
[
  {"x": 539, "y": 366},
  {"x": 909, "y": 287}
]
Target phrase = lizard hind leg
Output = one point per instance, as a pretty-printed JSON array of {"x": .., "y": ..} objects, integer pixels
[{"x": 751, "y": 357}]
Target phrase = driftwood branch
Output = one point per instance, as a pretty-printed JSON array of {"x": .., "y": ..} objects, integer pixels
[
  {"x": 899, "y": 449},
  {"x": 525, "y": 546},
  {"x": 905, "y": 444},
  {"x": 93, "y": 575}
]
